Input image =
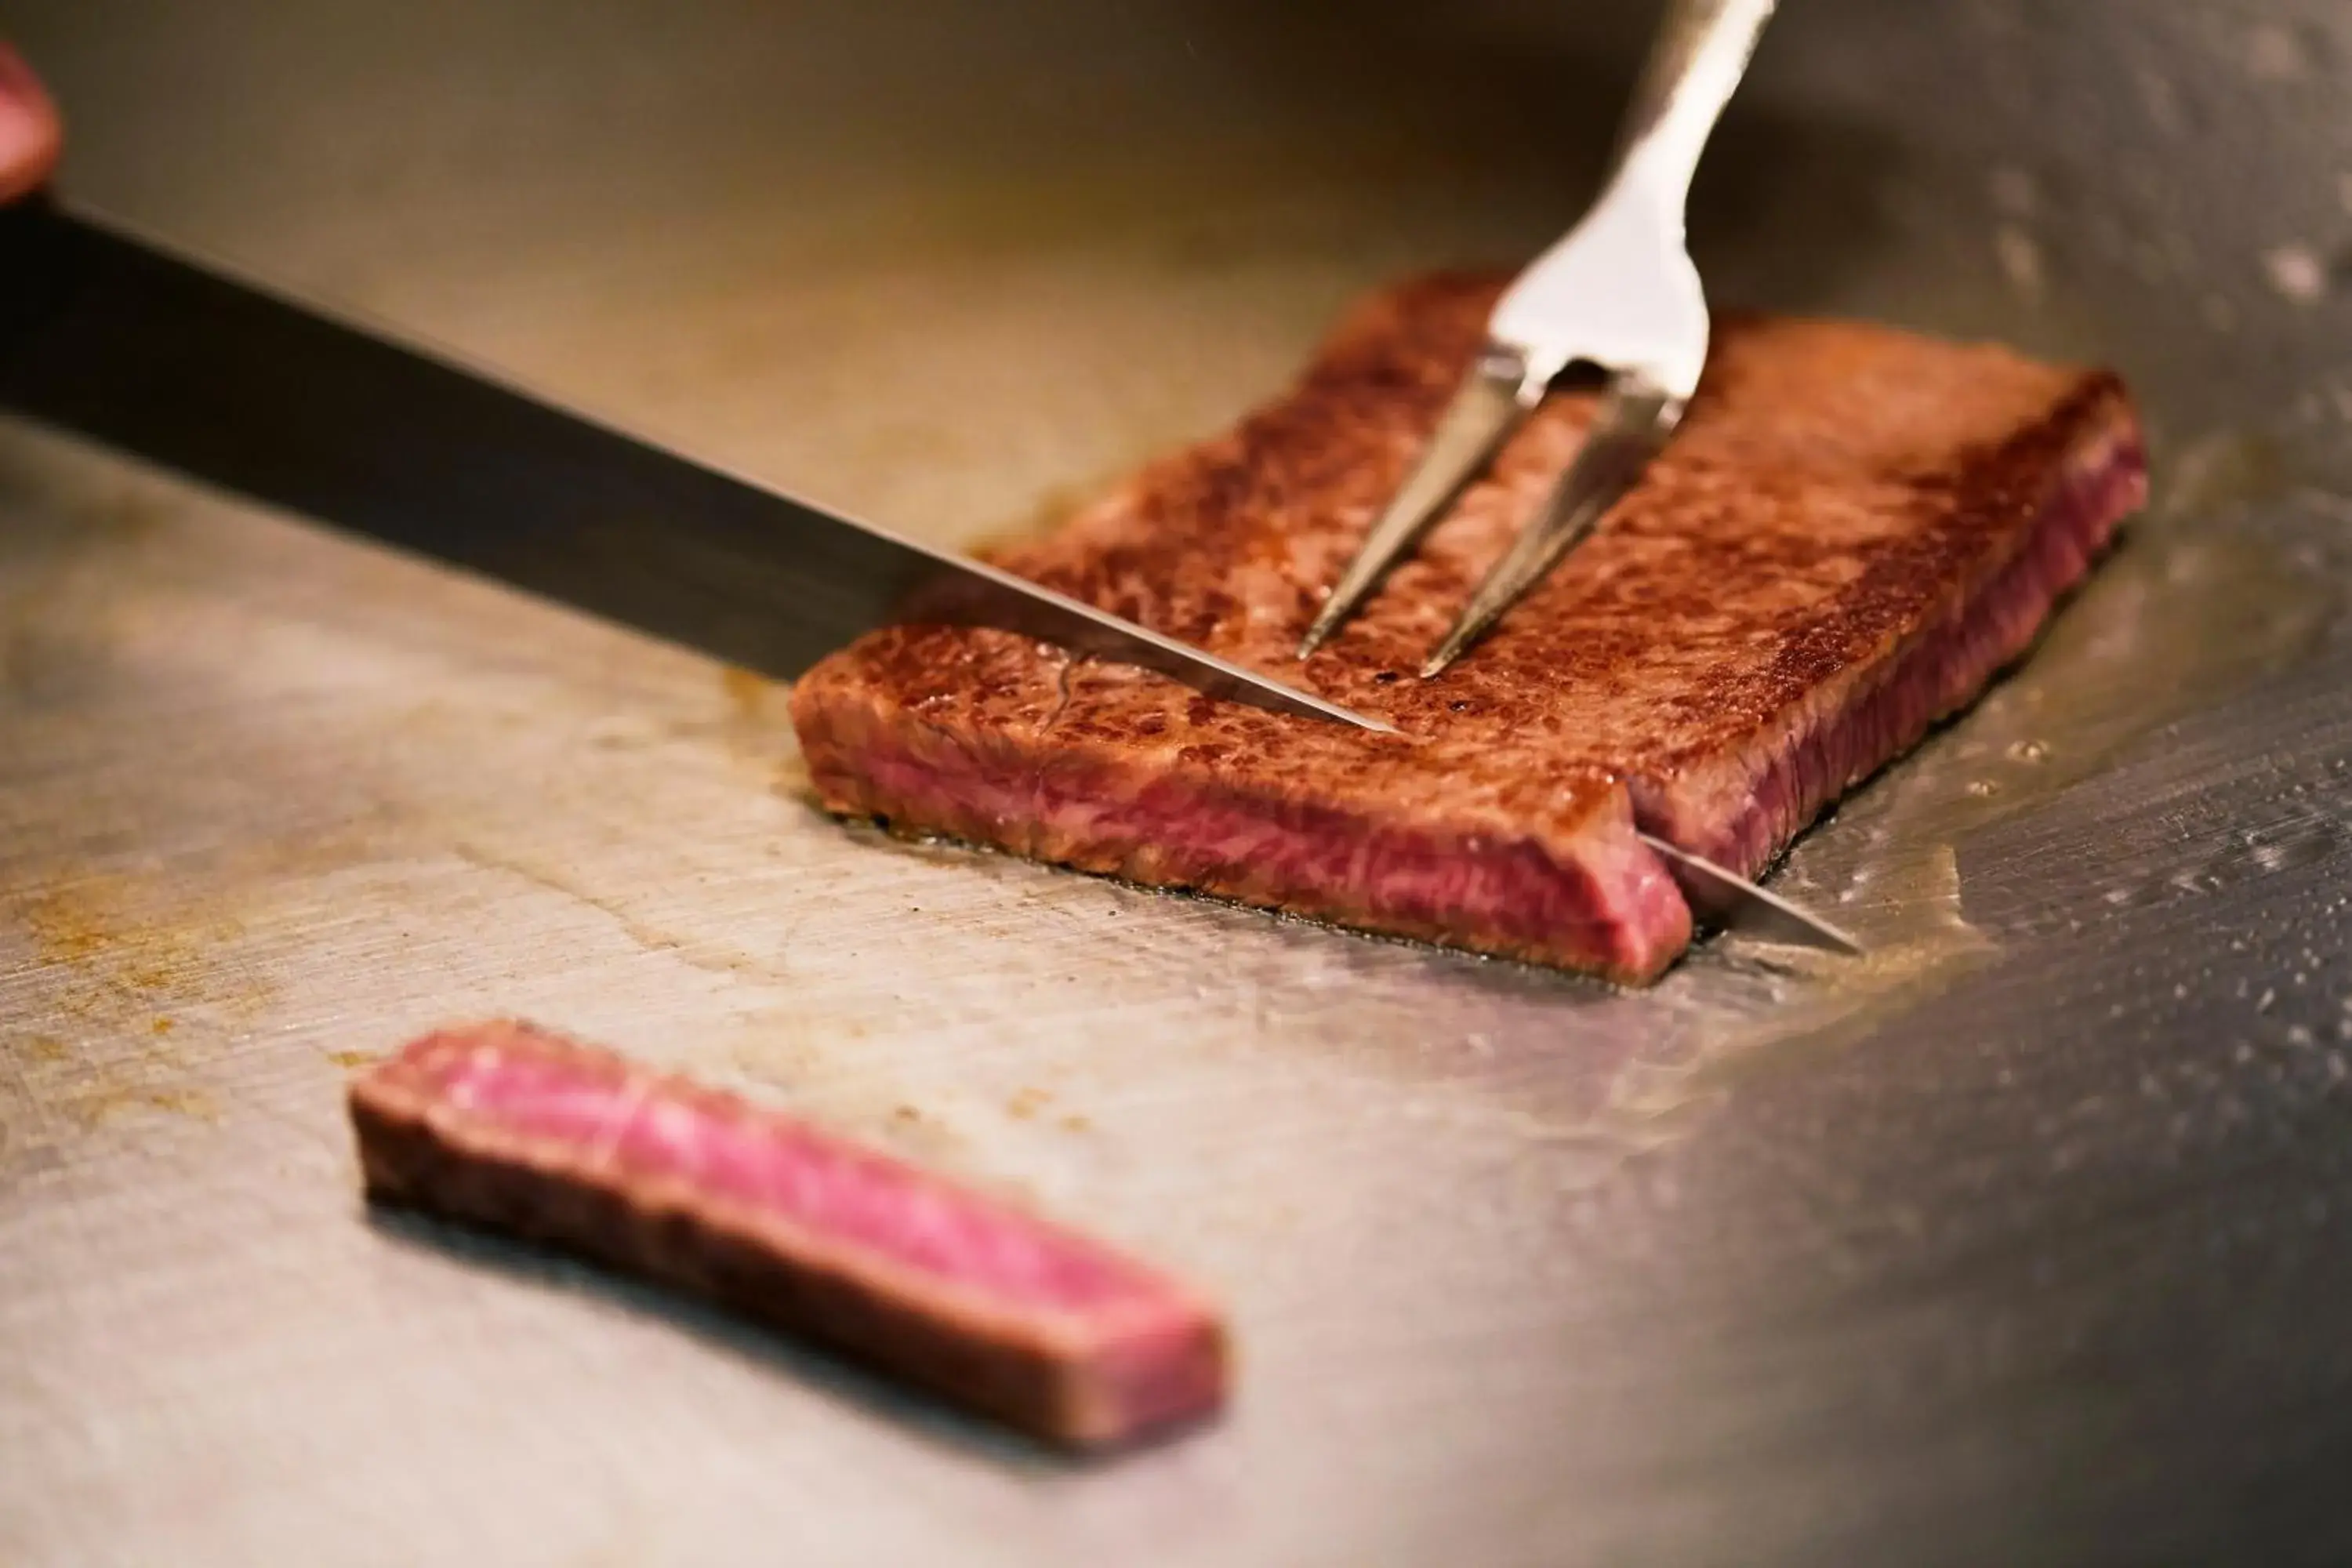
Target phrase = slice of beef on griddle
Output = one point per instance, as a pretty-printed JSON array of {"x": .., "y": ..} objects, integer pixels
[
  {"x": 1855, "y": 528},
  {"x": 506, "y": 1125}
]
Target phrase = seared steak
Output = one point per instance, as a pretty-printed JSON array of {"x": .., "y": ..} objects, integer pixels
[
  {"x": 509, "y": 1127},
  {"x": 1855, "y": 528}
]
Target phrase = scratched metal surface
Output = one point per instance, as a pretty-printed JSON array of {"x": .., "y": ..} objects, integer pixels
[{"x": 2029, "y": 1240}]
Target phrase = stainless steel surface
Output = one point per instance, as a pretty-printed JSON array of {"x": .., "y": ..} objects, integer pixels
[
  {"x": 171, "y": 359},
  {"x": 1619, "y": 292},
  {"x": 2025, "y": 1240}
]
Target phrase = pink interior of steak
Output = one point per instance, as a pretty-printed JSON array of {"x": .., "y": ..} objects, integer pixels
[
  {"x": 1613, "y": 903},
  {"x": 1841, "y": 734},
  {"x": 654, "y": 1129}
]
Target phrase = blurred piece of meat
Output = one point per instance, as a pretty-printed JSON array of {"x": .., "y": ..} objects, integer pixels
[{"x": 507, "y": 1126}]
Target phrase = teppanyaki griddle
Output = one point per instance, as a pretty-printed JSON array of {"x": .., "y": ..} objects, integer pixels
[{"x": 2024, "y": 1242}]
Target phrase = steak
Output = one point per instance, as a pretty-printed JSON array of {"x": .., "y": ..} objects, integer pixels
[
  {"x": 1854, "y": 529},
  {"x": 512, "y": 1128}
]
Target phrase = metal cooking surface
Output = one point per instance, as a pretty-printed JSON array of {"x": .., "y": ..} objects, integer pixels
[{"x": 2028, "y": 1239}]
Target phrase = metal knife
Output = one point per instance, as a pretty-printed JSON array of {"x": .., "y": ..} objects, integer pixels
[
  {"x": 129, "y": 339},
  {"x": 136, "y": 343}
]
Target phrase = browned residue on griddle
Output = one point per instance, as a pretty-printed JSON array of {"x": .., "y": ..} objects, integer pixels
[
  {"x": 747, "y": 693},
  {"x": 119, "y": 964}
]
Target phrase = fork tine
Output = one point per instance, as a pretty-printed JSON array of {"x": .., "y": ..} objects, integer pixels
[
  {"x": 1634, "y": 421},
  {"x": 1493, "y": 398}
]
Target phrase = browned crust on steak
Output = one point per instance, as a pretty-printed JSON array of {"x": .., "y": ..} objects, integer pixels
[
  {"x": 1077, "y": 1378},
  {"x": 1838, "y": 497}
]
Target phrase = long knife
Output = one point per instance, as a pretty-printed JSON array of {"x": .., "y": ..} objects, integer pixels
[
  {"x": 248, "y": 386},
  {"x": 130, "y": 341}
]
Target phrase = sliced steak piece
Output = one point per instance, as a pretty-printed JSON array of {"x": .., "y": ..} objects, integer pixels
[
  {"x": 508, "y": 1126},
  {"x": 1855, "y": 528}
]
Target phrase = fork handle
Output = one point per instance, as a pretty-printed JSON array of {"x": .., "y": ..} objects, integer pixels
[{"x": 1701, "y": 51}]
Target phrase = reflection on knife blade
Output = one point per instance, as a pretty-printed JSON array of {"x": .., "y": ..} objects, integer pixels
[
  {"x": 1744, "y": 905},
  {"x": 129, "y": 342},
  {"x": 244, "y": 386}
]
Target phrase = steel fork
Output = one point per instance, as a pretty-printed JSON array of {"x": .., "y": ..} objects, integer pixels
[{"x": 1619, "y": 292}]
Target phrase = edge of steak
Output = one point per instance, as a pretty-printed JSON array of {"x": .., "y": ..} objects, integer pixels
[
  {"x": 1579, "y": 890},
  {"x": 1744, "y": 810},
  {"x": 510, "y": 1127},
  {"x": 1854, "y": 528}
]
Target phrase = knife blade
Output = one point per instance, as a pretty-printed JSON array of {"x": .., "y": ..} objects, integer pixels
[
  {"x": 246, "y": 385},
  {"x": 142, "y": 345},
  {"x": 1742, "y": 905}
]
